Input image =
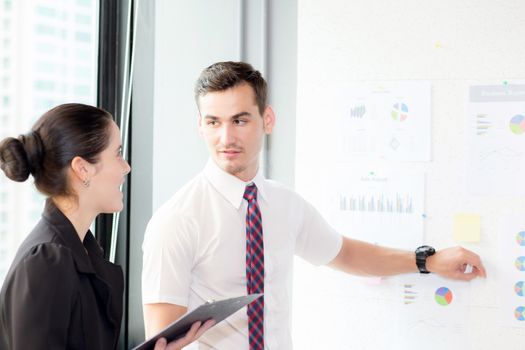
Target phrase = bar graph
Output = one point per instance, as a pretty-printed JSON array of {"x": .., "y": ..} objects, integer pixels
[
  {"x": 397, "y": 203},
  {"x": 379, "y": 207},
  {"x": 358, "y": 111}
]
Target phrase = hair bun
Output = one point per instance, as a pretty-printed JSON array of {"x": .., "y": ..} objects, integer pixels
[
  {"x": 21, "y": 157},
  {"x": 34, "y": 150},
  {"x": 13, "y": 159}
]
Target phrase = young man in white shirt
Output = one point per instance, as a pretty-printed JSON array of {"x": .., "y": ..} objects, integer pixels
[{"x": 195, "y": 247}]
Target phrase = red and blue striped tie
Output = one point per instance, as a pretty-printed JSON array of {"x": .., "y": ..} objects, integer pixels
[{"x": 254, "y": 268}]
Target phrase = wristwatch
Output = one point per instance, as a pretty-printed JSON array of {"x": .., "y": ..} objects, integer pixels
[{"x": 422, "y": 253}]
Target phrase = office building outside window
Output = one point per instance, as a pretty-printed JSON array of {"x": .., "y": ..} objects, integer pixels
[{"x": 48, "y": 56}]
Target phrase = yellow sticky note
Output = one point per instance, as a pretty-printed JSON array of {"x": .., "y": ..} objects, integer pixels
[{"x": 466, "y": 227}]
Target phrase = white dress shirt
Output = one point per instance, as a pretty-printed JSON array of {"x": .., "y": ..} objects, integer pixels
[{"x": 195, "y": 246}]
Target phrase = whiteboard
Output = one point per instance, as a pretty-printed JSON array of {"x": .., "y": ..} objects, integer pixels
[{"x": 451, "y": 46}]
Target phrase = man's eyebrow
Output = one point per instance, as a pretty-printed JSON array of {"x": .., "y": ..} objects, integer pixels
[
  {"x": 235, "y": 116},
  {"x": 241, "y": 114}
]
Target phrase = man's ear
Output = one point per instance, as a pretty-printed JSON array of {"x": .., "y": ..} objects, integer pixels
[
  {"x": 268, "y": 120},
  {"x": 199, "y": 123}
]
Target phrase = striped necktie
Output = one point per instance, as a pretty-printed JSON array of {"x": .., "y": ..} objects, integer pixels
[{"x": 254, "y": 268}]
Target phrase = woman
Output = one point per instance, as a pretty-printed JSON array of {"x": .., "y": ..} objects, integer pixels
[{"x": 60, "y": 293}]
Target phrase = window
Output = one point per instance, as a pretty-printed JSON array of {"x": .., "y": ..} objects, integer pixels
[
  {"x": 5, "y": 121},
  {"x": 46, "y": 11},
  {"x": 83, "y": 19},
  {"x": 83, "y": 36},
  {"x": 44, "y": 85},
  {"x": 51, "y": 81},
  {"x": 83, "y": 72},
  {"x": 82, "y": 90},
  {"x": 43, "y": 29},
  {"x": 46, "y": 48},
  {"x": 83, "y": 55},
  {"x": 46, "y": 67},
  {"x": 84, "y": 2}
]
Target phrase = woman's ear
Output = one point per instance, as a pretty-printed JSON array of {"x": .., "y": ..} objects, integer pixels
[{"x": 82, "y": 170}]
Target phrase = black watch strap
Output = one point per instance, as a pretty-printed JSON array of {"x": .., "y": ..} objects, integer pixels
[{"x": 422, "y": 253}]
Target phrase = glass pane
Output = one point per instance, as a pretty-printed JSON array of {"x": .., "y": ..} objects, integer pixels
[{"x": 48, "y": 56}]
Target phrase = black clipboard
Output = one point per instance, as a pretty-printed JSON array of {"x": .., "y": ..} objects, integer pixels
[{"x": 216, "y": 310}]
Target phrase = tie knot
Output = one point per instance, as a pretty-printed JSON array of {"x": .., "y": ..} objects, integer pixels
[{"x": 250, "y": 193}]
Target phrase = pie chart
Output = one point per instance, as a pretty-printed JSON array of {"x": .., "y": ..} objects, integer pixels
[
  {"x": 520, "y": 238},
  {"x": 519, "y": 288},
  {"x": 399, "y": 112},
  {"x": 517, "y": 124},
  {"x": 519, "y": 313},
  {"x": 443, "y": 296},
  {"x": 520, "y": 263}
]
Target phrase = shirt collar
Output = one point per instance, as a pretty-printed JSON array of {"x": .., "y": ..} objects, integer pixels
[{"x": 231, "y": 187}]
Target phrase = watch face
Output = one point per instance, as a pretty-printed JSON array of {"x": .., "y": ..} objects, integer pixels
[{"x": 425, "y": 249}]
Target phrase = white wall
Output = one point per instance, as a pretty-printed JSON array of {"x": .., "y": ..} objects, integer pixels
[
  {"x": 183, "y": 48},
  {"x": 192, "y": 36},
  {"x": 450, "y": 44}
]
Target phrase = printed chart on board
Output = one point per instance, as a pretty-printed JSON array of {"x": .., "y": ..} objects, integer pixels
[
  {"x": 431, "y": 307},
  {"x": 496, "y": 129},
  {"x": 363, "y": 122},
  {"x": 384, "y": 208},
  {"x": 388, "y": 121}
]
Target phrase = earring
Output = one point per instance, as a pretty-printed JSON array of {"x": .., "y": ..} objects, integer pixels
[{"x": 86, "y": 183}]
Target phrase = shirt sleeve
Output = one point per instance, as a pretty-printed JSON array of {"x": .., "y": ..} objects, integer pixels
[
  {"x": 39, "y": 299},
  {"x": 317, "y": 242},
  {"x": 169, "y": 250}
]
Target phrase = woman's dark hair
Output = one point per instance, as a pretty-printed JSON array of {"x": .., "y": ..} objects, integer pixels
[{"x": 61, "y": 134}]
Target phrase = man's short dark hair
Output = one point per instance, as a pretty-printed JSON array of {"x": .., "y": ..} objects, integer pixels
[{"x": 222, "y": 76}]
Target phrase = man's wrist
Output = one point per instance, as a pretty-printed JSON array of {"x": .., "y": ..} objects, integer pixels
[{"x": 430, "y": 263}]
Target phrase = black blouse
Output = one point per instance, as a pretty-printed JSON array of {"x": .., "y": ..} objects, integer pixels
[{"x": 60, "y": 292}]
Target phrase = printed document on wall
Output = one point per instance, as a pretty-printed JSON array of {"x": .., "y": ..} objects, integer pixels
[
  {"x": 382, "y": 121},
  {"x": 496, "y": 129},
  {"x": 432, "y": 307},
  {"x": 384, "y": 208}
]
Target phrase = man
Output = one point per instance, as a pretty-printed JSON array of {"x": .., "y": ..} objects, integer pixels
[{"x": 230, "y": 232}]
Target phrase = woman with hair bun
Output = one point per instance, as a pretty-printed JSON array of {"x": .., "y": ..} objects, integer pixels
[{"x": 60, "y": 292}]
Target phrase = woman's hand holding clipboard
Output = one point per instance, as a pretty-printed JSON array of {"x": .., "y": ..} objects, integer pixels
[{"x": 214, "y": 312}]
